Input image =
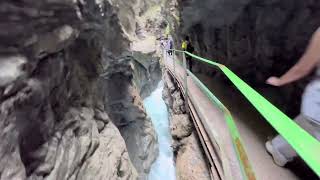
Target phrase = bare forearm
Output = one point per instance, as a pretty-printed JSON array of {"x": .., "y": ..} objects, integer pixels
[
  {"x": 294, "y": 74},
  {"x": 306, "y": 64}
]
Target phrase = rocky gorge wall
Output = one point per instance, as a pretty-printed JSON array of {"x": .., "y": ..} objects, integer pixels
[
  {"x": 70, "y": 105},
  {"x": 255, "y": 38},
  {"x": 129, "y": 11},
  {"x": 189, "y": 157},
  {"x": 124, "y": 84}
]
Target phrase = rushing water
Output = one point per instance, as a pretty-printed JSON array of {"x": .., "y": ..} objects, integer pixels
[{"x": 163, "y": 168}]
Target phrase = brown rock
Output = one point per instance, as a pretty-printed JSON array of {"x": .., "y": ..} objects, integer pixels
[
  {"x": 181, "y": 126},
  {"x": 190, "y": 163}
]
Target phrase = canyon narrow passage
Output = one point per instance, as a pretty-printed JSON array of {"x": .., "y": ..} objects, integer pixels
[
  {"x": 132, "y": 89},
  {"x": 163, "y": 167}
]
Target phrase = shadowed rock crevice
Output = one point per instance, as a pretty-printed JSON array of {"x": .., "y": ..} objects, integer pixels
[
  {"x": 124, "y": 105},
  {"x": 56, "y": 119}
]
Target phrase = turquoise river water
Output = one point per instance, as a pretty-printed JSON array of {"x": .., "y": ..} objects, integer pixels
[{"x": 163, "y": 168}]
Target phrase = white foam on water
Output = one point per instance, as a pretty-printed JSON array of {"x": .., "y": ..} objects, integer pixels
[{"x": 163, "y": 168}]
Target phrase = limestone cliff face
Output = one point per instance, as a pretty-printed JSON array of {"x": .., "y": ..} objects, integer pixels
[
  {"x": 129, "y": 11},
  {"x": 255, "y": 38},
  {"x": 147, "y": 73},
  {"x": 128, "y": 79},
  {"x": 124, "y": 105},
  {"x": 66, "y": 89}
]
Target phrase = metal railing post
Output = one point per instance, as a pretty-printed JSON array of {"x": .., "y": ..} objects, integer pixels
[
  {"x": 166, "y": 54},
  {"x": 163, "y": 60},
  {"x": 185, "y": 80},
  {"x": 173, "y": 61}
]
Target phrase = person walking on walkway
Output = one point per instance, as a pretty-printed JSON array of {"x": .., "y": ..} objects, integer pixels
[
  {"x": 170, "y": 46},
  {"x": 187, "y": 46},
  {"x": 162, "y": 43},
  {"x": 309, "y": 118}
]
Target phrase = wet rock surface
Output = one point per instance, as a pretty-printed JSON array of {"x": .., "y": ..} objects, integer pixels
[
  {"x": 124, "y": 105},
  {"x": 69, "y": 108},
  {"x": 147, "y": 73},
  {"x": 189, "y": 157}
]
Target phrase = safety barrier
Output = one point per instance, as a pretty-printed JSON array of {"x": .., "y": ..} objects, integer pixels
[
  {"x": 242, "y": 157},
  {"x": 304, "y": 144},
  {"x": 236, "y": 139}
]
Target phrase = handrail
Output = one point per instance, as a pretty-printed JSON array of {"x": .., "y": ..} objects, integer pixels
[
  {"x": 236, "y": 139},
  {"x": 304, "y": 144},
  {"x": 244, "y": 164}
]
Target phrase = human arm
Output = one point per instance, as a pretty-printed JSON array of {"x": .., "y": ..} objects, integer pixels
[{"x": 305, "y": 65}]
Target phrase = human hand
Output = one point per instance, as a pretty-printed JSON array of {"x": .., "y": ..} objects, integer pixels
[{"x": 274, "y": 81}]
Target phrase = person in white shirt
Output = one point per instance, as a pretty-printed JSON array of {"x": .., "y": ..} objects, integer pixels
[{"x": 309, "y": 118}]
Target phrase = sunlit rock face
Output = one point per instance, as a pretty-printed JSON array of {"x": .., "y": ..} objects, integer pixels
[
  {"x": 255, "y": 38},
  {"x": 57, "y": 63},
  {"x": 129, "y": 11}
]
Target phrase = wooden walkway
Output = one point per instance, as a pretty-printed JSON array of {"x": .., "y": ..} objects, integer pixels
[{"x": 217, "y": 137}]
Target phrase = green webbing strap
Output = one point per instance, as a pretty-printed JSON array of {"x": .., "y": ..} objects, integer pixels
[
  {"x": 305, "y": 145},
  {"x": 237, "y": 142}
]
